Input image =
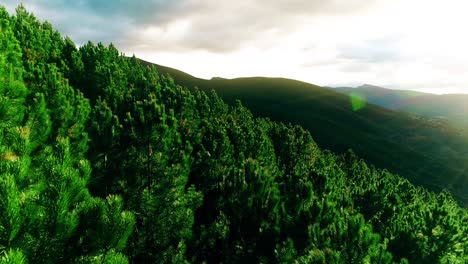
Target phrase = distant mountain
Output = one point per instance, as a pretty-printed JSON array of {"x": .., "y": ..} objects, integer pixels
[
  {"x": 453, "y": 107},
  {"x": 381, "y": 96},
  {"x": 432, "y": 153}
]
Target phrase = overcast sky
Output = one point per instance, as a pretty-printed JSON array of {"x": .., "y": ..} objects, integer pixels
[{"x": 403, "y": 44}]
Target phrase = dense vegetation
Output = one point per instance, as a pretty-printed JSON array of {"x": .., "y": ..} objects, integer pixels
[
  {"x": 105, "y": 161},
  {"x": 429, "y": 152}
]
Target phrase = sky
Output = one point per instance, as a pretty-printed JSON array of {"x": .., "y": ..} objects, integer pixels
[{"x": 400, "y": 44}]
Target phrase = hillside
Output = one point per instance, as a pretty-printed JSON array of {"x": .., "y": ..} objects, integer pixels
[
  {"x": 388, "y": 98},
  {"x": 104, "y": 160},
  {"x": 431, "y": 153},
  {"x": 452, "y": 107}
]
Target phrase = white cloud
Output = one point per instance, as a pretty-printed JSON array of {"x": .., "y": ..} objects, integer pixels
[{"x": 396, "y": 43}]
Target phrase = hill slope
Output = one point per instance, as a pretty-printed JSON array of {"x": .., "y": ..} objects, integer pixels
[
  {"x": 453, "y": 107},
  {"x": 387, "y": 98},
  {"x": 432, "y": 153}
]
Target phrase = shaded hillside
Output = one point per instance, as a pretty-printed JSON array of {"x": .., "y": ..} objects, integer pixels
[
  {"x": 431, "y": 153},
  {"x": 453, "y": 107}
]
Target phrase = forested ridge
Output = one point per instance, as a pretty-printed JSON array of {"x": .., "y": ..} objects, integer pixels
[
  {"x": 103, "y": 160},
  {"x": 428, "y": 152}
]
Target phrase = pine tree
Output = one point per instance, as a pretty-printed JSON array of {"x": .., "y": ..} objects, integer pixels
[
  {"x": 105, "y": 132},
  {"x": 13, "y": 257},
  {"x": 14, "y": 157}
]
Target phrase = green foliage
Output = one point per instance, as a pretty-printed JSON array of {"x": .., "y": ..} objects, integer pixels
[
  {"x": 13, "y": 257},
  {"x": 103, "y": 160},
  {"x": 11, "y": 218},
  {"x": 12, "y": 90},
  {"x": 106, "y": 220},
  {"x": 110, "y": 257},
  {"x": 43, "y": 171}
]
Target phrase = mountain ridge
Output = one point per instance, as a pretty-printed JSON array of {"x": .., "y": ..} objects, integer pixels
[{"x": 385, "y": 137}]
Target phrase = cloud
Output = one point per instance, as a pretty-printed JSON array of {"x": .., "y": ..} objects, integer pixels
[
  {"x": 99, "y": 21},
  {"x": 393, "y": 43},
  {"x": 372, "y": 51},
  {"x": 224, "y": 26},
  {"x": 355, "y": 67},
  {"x": 212, "y": 25}
]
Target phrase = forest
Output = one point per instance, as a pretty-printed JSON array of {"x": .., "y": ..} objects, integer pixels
[
  {"x": 104, "y": 160},
  {"x": 429, "y": 152}
]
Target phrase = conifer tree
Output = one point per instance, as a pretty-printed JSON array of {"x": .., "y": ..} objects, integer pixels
[{"x": 13, "y": 257}]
